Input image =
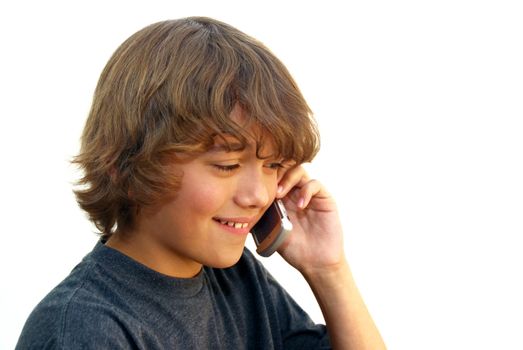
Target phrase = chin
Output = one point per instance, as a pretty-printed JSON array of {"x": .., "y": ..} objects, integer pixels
[{"x": 226, "y": 260}]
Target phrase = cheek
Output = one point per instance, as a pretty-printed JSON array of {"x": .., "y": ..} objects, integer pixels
[{"x": 205, "y": 199}]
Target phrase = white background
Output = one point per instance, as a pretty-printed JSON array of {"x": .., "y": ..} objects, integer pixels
[{"x": 420, "y": 106}]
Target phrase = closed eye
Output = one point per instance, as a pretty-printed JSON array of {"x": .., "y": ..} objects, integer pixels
[
  {"x": 226, "y": 168},
  {"x": 274, "y": 165}
]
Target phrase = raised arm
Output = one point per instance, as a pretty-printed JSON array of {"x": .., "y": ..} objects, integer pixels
[{"x": 315, "y": 248}]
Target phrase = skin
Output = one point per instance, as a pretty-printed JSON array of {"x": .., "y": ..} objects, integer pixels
[
  {"x": 315, "y": 248},
  {"x": 184, "y": 232},
  {"x": 192, "y": 229}
]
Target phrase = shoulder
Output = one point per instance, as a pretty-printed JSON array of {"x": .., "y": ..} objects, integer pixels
[{"x": 73, "y": 316}]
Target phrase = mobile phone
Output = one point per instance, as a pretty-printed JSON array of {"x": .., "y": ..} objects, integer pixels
[{"x": 272, "y": 229}]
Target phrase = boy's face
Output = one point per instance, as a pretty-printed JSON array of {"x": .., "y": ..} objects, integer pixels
[{"x": 222, "y": 196}]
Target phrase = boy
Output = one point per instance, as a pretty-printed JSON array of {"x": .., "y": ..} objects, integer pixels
[{"x": 194, "y": 130}]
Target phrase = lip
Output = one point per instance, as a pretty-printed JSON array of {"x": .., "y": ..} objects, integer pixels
[{"x": 232, "y": 229}]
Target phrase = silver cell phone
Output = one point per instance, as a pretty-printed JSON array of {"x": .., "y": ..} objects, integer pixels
[{"x": 272, "y": 229}]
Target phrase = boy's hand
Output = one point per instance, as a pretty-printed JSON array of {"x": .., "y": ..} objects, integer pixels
[
  {"x": 316, "y": 242},
  {"x": 315, "y": 248}
]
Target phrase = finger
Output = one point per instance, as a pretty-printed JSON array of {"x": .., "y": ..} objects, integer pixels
[
  {"x": 295, "y": 177},
  {"x": 313, "y": 188}
]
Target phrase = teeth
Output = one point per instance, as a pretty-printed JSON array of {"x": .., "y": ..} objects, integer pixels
[{"x": 234, "y": 224}]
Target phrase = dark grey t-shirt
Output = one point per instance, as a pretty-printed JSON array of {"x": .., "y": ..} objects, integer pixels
[{"x": 110, "y": 301}]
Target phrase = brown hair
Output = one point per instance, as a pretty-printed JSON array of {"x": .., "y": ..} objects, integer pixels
[{"x": 170, "y": 88}]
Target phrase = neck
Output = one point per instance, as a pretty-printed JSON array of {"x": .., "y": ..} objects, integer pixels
[{"x": 157, "y": 257}]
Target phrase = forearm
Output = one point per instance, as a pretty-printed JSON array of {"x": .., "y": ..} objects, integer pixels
[{"x": 349, "y": 323}]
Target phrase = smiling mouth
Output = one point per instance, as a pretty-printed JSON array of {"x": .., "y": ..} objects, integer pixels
[{"x": 232, "y": 223}]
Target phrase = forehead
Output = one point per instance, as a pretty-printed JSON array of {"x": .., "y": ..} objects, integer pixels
[
  {"x": 252, "y": 137},
  {"x": 261, "y": 144}
]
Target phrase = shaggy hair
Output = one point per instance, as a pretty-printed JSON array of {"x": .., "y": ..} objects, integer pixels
[{"x": 169, "y": 89}]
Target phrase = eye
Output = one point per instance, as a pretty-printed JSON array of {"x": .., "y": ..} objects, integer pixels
[
  {"x": 275, "y": 166},
  {"x": 226, "y": 168}
]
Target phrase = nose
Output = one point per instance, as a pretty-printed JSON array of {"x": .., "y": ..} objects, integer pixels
[{"x": 254, "y": 189}]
